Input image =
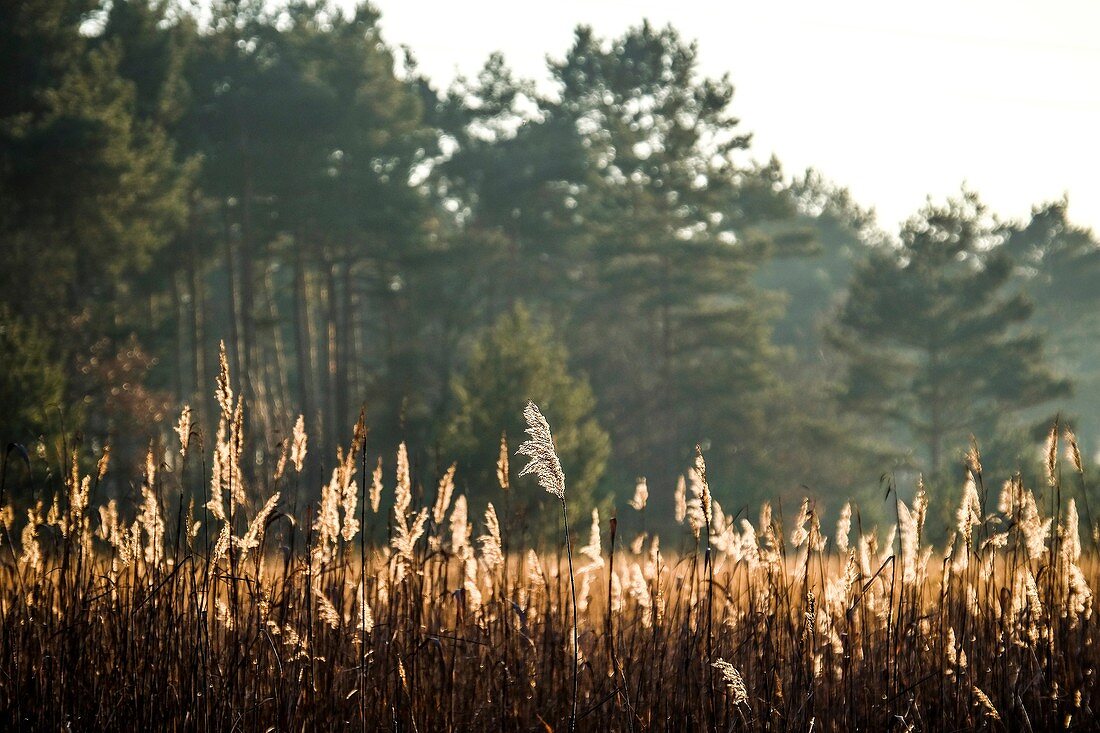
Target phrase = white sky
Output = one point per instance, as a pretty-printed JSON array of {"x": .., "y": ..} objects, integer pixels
[{"x": 895, "y": 102}]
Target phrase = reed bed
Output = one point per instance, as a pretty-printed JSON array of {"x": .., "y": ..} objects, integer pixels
[{"x": 200, "y": 604}]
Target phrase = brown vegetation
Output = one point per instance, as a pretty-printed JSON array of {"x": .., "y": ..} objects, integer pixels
[{"x": 215, "y": 608}]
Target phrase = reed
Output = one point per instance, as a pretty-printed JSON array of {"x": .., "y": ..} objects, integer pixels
[{"x": 205, "y": 602}]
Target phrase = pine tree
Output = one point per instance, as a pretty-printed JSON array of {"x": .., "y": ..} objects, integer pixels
[
  {"x": 311, "y": 142},
  {"x": 1057, "y": 267},
  {"x": 674, "y": 334},
  {"x": 152, "y": 42},
  {"x": 379, "y": 236},
  {"x": 514, "y": 361},
  {"x": 501, "y": 190},
  {"x": 511, "y": 180},
  {"x": 89, "y": 194},
  {"x": 31, "y": 382},
  {"x": 935, "y": 343},
  {"x": 826, "y": 235}
]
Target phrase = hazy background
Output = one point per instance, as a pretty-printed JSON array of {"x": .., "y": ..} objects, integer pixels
[
  {"x": 1002, "y": 95},
  {"x": 826, "y": 244}
]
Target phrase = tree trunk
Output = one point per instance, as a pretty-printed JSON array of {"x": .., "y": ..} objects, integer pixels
[
  {"x": 349, "y": 354},
  {"x": 302, "y": 334},
  {"x": 277, "y": 366},
  {"x": 330, "y": 357},
  {"x": 231, "y": 275},
  {"x": 339, "y": 366},
  {"x": 180, "y": 337},
  {"x": 198, "y": 336},
  {"x": 935, "y": 432},
  {"x": 247, "y": 284}
]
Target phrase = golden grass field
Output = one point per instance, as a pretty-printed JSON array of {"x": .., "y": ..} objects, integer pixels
[{"x": 205, "y": 606}]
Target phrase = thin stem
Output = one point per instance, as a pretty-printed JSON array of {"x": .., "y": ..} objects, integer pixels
[
  {"x": 573, "y": 597},
  {"x": 363, "y": 582}
]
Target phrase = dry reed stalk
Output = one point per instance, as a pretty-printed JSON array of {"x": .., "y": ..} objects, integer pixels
[{"x": 149, "y": 630}]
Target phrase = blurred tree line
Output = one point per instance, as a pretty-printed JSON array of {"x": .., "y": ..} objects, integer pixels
[{"x": 280, "y": 177}]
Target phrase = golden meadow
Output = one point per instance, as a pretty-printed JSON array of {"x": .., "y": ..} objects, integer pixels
[{"x": 205, "y": 604}]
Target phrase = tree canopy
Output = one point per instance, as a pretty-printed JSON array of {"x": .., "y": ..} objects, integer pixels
[
  {"x": 936, "y": 343},
  {"x": 281, "y": 177}
]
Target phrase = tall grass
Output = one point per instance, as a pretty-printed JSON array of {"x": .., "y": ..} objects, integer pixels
[{"x": 207, "y": 601}]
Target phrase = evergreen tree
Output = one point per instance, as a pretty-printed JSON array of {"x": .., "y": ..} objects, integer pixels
[
  {"x": 672, "y": 330},
  {"x": 935, "y": 343},
  {"x": 311, "y": 144},
  {"x": 31, "y": 382},
  {"x": 380, "y": 233},
  {"x": 511, "y": 180},
  {"x": 152, "y": 42},
  {"x": 501, "y": 187},
  {"x": 1057, "y": 259},
  {"x": 89, "y": 193},
  {"x": 827, "y": 235},
  {"x": 1057, "y": 267},
  {"x": 516, "y": 360},
  {"x": 818, "y": 235}
]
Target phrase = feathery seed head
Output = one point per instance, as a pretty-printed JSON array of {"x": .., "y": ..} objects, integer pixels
[
  {"x": 641, "y": 495},
  {"x": 843, "y": 527},
  {"x": 733, "y": 680},
  {"x": 1050, "y": 455},
  {"x": 502, "y": 463},
  {"x": 544, "y": 463},
  {"x": 443, "y": 495},
  {"x": 974, "y": 457},
  {"x": 681, "y": 499},
  {"x": 183, "y": 429},
  {"x": 491, "y": 553},
  {"x": 298, "y": 444},
  {"x": 1073, "y": 451},
  {"x": 376, "y": 487}
]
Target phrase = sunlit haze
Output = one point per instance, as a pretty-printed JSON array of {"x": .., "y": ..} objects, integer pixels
[
  {"x": 896, "y": 102},
  {"x": 457, "y": 366}
]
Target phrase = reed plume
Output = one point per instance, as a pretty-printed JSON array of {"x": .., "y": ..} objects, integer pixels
[{"x": 546, "y": 467}]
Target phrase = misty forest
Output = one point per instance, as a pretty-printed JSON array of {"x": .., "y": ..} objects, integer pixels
[{"x": 228, "y": 226}]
